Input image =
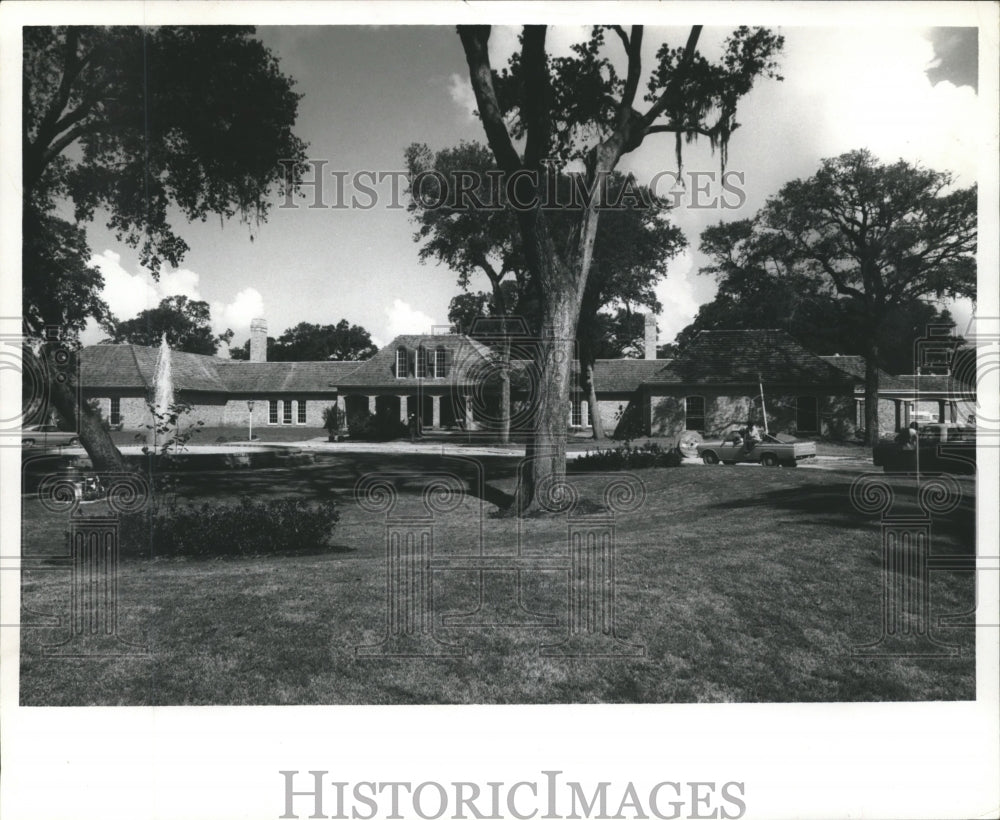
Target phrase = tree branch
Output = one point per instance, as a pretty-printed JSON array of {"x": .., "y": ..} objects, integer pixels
[
  {"x": 621, "y": 35},
  {"x": 66, "y": 139},
  {"x": 633, "y": 48},
  {"x": 475, "y": 41},
  {"x": 535, "y": 106},
  {"x": 671, "y": 90}
]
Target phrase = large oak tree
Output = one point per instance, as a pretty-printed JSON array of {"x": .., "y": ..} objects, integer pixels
[
  {"x": 879, "y": 235},
  {"x": 476, "y": 233},
  {"x": 125, "y": 123},
  {"x": 580, "y": 108},
  {"x": 756, "y": 289}
]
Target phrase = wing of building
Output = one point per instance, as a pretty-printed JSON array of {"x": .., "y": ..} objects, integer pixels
[{"x": 723, "y": 380}]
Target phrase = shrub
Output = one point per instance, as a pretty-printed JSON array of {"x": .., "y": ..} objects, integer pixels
[
  {"x": 246, "y": 528},
  {"x": 627, "y": 457},
  {"x": 365, "y": 427}
]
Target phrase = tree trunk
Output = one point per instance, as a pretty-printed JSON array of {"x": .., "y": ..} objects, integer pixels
[
  {"x": 104, "y": 455},
  {"x": 871, "y": 394},
  {"x": 590, "y": 390},
  {"x": 562, "y": 281},
  {"x": 545, "y": 453},
  {"x": 505, "y": 389}
]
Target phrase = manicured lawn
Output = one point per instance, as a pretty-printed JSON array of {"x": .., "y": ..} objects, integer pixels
[{"x": 741, "y": 584}]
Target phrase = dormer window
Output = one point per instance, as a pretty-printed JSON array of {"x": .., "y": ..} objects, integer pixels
[
  {"x": 440, "y": 363},
  {"x": 401, "y": 368}
]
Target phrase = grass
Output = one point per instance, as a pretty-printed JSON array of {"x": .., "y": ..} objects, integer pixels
[{"x": 743, "y": 584}]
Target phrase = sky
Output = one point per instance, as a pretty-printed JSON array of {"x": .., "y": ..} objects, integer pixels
[{"x": 368, "y": 92}]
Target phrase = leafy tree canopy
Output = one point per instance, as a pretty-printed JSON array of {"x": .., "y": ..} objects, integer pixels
[
  {"x": 128, "y": 121},
  {"x": 316, "y": 343},
  {"x": 634, "y": 244},
  {"x": 850, "y": 252},
  {"x": 187, "y": 323},
  {"x": 125, "y": 122}
]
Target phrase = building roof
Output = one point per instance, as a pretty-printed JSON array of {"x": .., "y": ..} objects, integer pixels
[
  {"x": 468, "y": 361},
  {"x": 920, "y": 384},
  {"x": 722, "y": 357},
  {"x": 610, "y": 375},
  {"x": 624, "y": 375},
  {"x": 727, "y": 357},
  {"x": 134, "y": 367},
  {"x": 284, "y": 377},
  {"x": 855, "y": 366},
  {"x": 913, "y": 384}
]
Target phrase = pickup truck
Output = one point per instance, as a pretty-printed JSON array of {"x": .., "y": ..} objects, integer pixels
[
  {"x": 940, "y": 448},
  {"x": 772, "y": 451}
]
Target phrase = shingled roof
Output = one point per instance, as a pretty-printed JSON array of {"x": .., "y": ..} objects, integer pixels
[
  {"x": 465, "y": 354},
  {"x": 624, "y": 375},
  {"x": 284, "y": 377},
  {"x": 134, "y": 367},
  {"x": 727, "y": 357},
  {"x": 855, "y": 366}
]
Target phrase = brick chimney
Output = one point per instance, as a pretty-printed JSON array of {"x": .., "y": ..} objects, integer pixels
[
  {"x": 258, "y": 340},
  {"x": 650, "y": 336}
]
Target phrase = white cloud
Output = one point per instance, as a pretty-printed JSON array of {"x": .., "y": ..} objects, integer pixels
[
  {"x": 677, "y": 293},
  {"x": 460, "y": 90},
  {"x": 876, "y": 94},
  {"x": 402, "y": 318},
  {"x": 128, "y": 294},
  {"x": 181, "y": 282},
  {"x": 236, "y": 315}
]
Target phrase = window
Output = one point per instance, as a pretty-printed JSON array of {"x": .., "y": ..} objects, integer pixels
[
  {"x": 806, "y": 414},
  {"x": 286, "y": 416},
  {"x": 272, "y": 411},
  {"x": 116, "y": 410},
  {"x": 440, "y": 363},
  {"x": 421, "y": 363},
  {"x": 302, "y": 411},
  {"x": 579, "y": 413},
  {"x": 401, "y": 369},
  {"x": 694, "y": 413}
]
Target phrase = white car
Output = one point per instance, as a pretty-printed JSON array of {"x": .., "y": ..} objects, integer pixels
[{"x": 47, "y": 435}]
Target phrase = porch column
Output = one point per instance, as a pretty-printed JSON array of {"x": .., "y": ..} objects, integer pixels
[
  {"x": 371, "y": 405},
  {"x": 436, "y": 412},
  {"x": 898, "y": 406},
  {"x": 908, "y": 413},
  {"x": 341, "y": 405},
  {"x": 403, "y": 417},
  {"x": 941, "y": 418},
  {"x": 469, "y": 420},
  {"x": 953, "y": 411}
]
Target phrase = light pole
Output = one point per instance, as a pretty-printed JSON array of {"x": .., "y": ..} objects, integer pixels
[{"x": 250, "y": 408}]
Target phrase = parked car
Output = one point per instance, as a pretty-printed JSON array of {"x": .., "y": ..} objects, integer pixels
[
  {"x": 771, "y": 451},
  {"x": 47, "y": 435},
  {"x": 940, "y": 448}
]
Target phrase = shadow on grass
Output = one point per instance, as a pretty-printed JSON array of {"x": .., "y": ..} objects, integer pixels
[
  {"x": 831, "y": 504},
  {"x": 300, "y": 552},
  {"x": 333, "y": 477}
]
